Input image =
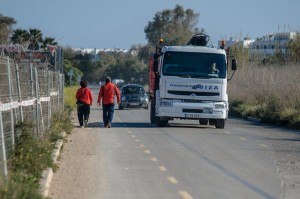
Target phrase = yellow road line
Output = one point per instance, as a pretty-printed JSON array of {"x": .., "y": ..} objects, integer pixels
[
  {"x": 147, "y": 151},
  {"x": 265, "y": 146},
  {"x": 142, "y": 146},
  {"x": 172, "y": 180},
  {"x": 153, "y": 159},
  {"x": 162, "y": 168},
  {"x": 185, "y": 195}
]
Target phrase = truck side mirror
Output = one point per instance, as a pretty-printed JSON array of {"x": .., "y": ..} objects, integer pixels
[{"x": 233, "y": 64}]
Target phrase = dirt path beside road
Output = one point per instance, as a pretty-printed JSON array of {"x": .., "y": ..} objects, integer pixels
[{"x": 76, "y": 176}]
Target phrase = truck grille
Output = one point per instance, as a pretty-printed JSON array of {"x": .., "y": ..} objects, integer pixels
[
  {"x": 188, "y": 93},
  {"x": 185, "y": 110}
]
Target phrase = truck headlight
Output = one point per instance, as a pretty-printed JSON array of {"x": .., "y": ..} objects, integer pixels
[
  {"x": 219, "y": 106},
  {"x": 123, "y": 98}
]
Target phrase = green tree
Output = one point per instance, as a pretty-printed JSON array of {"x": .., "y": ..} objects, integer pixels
[
  {"x": 294, "y": 49},
  {"x": 20, "y": 36},
  {"x": 77, "y": 73},
  {"x": 241, "y": 53},
  {"x": 35, "y": 38},
  {"x": 175, "y": 26},
  {"x": 6, "y": 28},
  {"x": 128, "y": 67},
  {"x": 143, "y": 52},
  {"x": 48, "y": 41}
]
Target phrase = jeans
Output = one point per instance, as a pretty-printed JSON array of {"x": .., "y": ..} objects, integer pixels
[
  {"x": 108, "y": 113},
  {"x": 83, "y": 112}
]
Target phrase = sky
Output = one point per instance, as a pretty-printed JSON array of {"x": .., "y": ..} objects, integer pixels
[{"x": 120, "y": 23}]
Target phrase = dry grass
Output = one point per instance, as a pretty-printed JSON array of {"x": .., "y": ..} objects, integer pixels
[
  {"x": 258, "y": 84},
  {"x": 271, "y": 93}
]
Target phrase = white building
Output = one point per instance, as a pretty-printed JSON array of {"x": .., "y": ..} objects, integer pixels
[
  {"x": 231, "y": 42},
  {"x": 267, "y": 45},
  {"x": 271, "y": 44}
]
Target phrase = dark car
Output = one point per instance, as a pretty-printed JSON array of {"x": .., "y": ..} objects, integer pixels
[{"x": 133, "y": 96}]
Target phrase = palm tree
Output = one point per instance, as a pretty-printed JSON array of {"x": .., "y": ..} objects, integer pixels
[
  {"x": 20, "y": 36},
  {"x": 35, "y": 37},
  {"x": 48, "y": 41}
]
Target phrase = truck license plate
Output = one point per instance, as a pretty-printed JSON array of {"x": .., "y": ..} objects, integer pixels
[
  {"x": 192, "y": 115},
  {"x": 133, "y": 104}
]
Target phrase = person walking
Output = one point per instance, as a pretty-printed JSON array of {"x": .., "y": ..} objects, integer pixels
[
  {"x": 84, "y": 99},
  {"x": 107, "y": 94}
]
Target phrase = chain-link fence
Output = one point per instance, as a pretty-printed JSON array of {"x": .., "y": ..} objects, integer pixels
[{"x": 31, "y": 89}]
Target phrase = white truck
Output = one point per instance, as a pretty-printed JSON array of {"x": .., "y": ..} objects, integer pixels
[{"x": 189, "y": 82}]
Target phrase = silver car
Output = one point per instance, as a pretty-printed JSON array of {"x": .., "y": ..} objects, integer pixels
[{"x": 133, "y": 96}]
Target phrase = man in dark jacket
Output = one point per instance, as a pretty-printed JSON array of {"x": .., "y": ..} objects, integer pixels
[{"x": 107, "y": 95}]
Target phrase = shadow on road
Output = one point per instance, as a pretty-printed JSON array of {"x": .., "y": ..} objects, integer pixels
[
  {"x": 144, "y": 125},
  {"x": 123, "y": 125}
]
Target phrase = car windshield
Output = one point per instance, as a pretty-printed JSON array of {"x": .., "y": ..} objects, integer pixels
[
  {"x": 133, "y": 90},
  {"x": 196, "y": 65}
]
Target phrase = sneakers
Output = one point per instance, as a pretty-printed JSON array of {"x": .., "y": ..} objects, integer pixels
[
  {"x": 85, "y": 123},
  {"x": 81, "y": 127},
  {"x": 107, "y": 126}
]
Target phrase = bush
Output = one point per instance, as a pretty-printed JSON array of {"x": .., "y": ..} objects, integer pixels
[
  {"x": 30, "y": 157},
  {"x": 61, "y": 121},
  {"x": 31, "y": 154},
  {"x": 20, "y": 186}
]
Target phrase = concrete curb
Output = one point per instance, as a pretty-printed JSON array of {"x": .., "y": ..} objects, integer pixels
[{"x": 48, "y": 173}]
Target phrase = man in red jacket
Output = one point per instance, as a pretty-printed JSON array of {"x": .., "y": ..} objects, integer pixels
[
  {"x": 84, "y": 101},
  {"x": 107, "y": 95}
]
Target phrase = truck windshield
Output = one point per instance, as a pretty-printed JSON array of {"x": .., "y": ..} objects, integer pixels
[{"x": 194, "y": 65}]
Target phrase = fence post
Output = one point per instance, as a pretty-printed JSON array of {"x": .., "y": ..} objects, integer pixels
[
  {"x": 3, "y": 144},
  {"x": 49, "y": 102},
  {"x": 37, "y": 101},
  {"x": 32, "y": 94},
  {"x": 58, "y": 89},
  {"x": 19, "y": 92},
  {"x": 11, "y": 100}
]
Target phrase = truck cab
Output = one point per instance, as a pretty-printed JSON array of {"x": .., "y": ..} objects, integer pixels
[{"x": 190, "y": 82}]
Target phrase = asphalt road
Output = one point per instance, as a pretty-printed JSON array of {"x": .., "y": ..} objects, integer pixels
[{"x": 137, "y": 160}]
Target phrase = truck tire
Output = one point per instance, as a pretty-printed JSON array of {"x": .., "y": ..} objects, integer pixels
[
  {"x": 152, "y": 113},
  {"x": 120, "y": 107},
  {"x": 161, "y": 123},
  {"x": 220, "y": 123}
]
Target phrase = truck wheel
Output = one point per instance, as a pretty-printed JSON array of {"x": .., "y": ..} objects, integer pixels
[
  {"x": 203, "y": 121},
  {"x": 120, "y": 107},
  {"x": 161, "y": 123},
  {"x": 152, "y": 113},
  {"x": 220, "y": 123}
]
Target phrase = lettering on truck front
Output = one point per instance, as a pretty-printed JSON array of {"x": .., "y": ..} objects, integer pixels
[{"x": 196, "y": 87}]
